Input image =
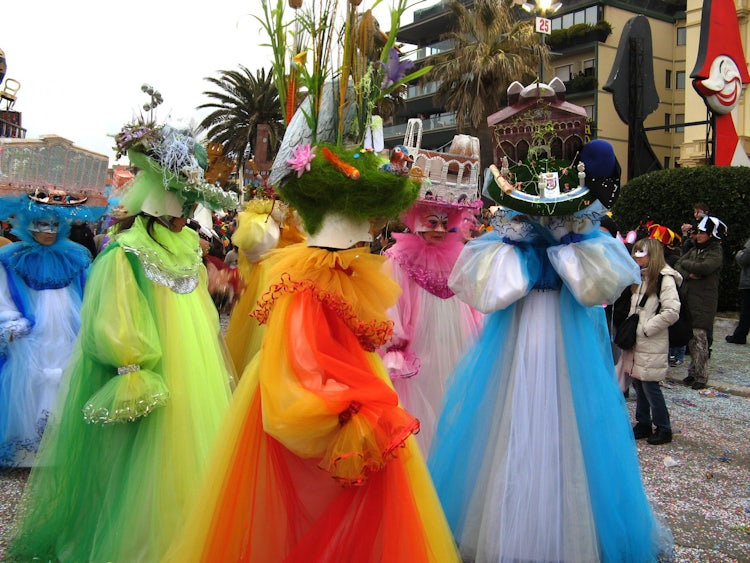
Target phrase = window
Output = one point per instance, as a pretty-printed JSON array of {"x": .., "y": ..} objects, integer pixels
[
  {"x": 564, "y": 73},
  {"x": 681, "y": 36},
  {"x": 590, "y": 16},
  {"x": 588, "y": 67},
  {"x": 680, "y": 80},
  {"x": 679, "y": 118},
  {"x": 589, "y": 111},
  {"x": 667, "y": 121},
  {"x": 669, "y": 79},
  {"x": 666, "y": 162}
]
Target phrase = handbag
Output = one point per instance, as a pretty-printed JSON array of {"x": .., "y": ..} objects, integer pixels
[{"x": 625, "y": 332}]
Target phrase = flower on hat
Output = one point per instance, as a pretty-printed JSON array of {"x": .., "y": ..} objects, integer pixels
[
  {"x": 302, "y": 156},
  {"x": 172, "y": 153}
]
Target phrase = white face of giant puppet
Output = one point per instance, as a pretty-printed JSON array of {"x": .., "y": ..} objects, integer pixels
[{"x": 723, "y": 87}]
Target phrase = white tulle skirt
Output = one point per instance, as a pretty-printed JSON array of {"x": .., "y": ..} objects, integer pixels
[{"x": 32, "y": 371}]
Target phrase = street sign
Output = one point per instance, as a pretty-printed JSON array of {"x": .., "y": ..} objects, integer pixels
[{"x": 543, "y": 25}]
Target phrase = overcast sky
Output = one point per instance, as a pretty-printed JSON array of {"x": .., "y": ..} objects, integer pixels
[{"x": 81, "y": 63}]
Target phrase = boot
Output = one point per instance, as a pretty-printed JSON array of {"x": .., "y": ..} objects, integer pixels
[
  {"x": 698, "y": 385},
  {"x": 732, "y": 339},
  {"x": 641, "y": 431},
  {"x": 660, "y": 437},
  {"x": 688, "y": 381}
]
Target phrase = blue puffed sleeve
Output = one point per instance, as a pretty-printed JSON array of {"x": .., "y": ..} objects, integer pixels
[
  {"x": 494, "y": 271},
  {"x": 594, "y": 266}
]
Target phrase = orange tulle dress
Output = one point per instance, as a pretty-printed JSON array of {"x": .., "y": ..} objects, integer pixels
[{"x": 317, "y": 460}]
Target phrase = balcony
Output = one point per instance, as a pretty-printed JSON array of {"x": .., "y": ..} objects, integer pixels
[
  {"x": 579, "y": 34},
  {"x": 11, "y": 128},
  {"x": 427, "y": 51},
  {"x": 437, "y": 130}
]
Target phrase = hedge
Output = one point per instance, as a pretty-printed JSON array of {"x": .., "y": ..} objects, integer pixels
[{"x": 667, "y": 197}]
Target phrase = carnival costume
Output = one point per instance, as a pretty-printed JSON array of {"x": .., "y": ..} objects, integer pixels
[
  {"x": 147, "y": 386},
  {"x": 317, "y": 461},
  {"x": 548, "y": 467},
  {"x": 41, "y": 287},
  {"x": 432, "y": 327},
  {"x": 263, "y": 225}
]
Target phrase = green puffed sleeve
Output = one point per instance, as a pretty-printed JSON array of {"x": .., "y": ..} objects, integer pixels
[{"x": 118, "y": 332}]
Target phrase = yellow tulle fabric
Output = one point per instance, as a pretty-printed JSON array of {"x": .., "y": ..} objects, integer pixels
[{"x": 244, "y": 334}]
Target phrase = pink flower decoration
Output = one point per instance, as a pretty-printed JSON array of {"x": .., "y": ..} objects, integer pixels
[{"x": 302, "y": 156}]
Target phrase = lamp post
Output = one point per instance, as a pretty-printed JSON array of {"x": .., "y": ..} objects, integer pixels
[{"x": 542, "y": 25}]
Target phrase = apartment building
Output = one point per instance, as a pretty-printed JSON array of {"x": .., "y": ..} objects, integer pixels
[{"x": 583, "y": 56}]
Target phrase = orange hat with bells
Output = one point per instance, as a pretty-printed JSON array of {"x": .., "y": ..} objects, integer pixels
[{"x": 663, "y": 234}]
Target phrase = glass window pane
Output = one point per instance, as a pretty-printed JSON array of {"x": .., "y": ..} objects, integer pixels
[
  {"x": 681, "y": 36},
  {"x": 567, "y": 21},
  {"x": 669, "y": 79},
  {"x": 563, "y": 73},
  {"x": 591, "y": 15},
  {"x": 680, "y": 80},
  {"x": 679, "y": 118},
  {"x": 579, "y": 17}
]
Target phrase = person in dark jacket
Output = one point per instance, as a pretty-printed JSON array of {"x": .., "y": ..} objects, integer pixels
[
  {"x": 739, "y": 336},
  {"x": 700, "y": 268}
]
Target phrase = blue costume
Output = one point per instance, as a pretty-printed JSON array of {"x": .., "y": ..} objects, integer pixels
[
  {"x": 41, "y": 288},
  {"x": 534, "y": 457}
]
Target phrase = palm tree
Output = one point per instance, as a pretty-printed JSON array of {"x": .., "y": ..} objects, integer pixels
[
  {"x": 492, "y": 48},
  {"x": 244, "y": 101}
]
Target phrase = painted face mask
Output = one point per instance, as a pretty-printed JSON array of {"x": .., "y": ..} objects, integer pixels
[
  {"x": 432, "y": 220},
  {"x": 44, "y": 226}
]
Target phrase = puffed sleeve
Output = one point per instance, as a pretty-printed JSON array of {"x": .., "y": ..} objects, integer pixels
[
  {"x": 119, "y": 333},
  {"x": 492, "y": 273},
  {"x": 12, "y": 322},
  {"x": 595, "y": 269},
  {"x": 323, "y": 395},
  {"x": 398, "y": 357}
]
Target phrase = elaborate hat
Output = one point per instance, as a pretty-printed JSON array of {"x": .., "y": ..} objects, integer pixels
[
  {"x": 171, "y": 164},
  {"x": 321, "y": 170},
  {"x": 55, "y": 209},
  {"x": 348, "y": 184},
  {"x": 595, "y": 175}
]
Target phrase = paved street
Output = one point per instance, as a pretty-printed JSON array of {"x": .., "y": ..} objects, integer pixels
[{"x": 700, "y": 483}]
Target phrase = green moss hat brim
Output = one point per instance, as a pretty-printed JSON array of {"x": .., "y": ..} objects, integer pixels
[{"x": 326, "y": 189}]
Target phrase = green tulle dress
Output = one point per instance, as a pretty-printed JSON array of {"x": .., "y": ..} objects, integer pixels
[{"x": 138, "y": 409}]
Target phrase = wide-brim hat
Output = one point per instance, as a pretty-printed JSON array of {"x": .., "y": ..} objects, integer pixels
[
  {"x": 158, "y": 191},
  {"x": 601, "y": 182},
  {"x": 348, "y": 182}
]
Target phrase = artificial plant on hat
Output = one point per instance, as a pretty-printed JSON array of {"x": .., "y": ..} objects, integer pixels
[
  {"x": 321, "y": 168},
  {"x": 171, "y": 164}
]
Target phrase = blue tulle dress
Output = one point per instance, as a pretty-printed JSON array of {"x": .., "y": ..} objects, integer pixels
[
  {"x": 533, "y": 457},
  {"x": 41, "y": 289}
]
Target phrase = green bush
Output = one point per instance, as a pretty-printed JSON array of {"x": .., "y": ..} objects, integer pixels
[
  {"x": 667, "y": 198},
  {"x": 603, "y": 26},
  {"x": 581, "y": 83},
  {"x": 578, "y": 31}
]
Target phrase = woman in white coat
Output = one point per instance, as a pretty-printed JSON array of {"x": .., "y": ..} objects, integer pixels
[{"x": 647, "y": 362}]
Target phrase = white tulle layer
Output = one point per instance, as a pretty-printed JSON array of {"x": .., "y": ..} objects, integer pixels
[
  {"x": 33, "y": 368},
  {"x": 540, "y": 456}
]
